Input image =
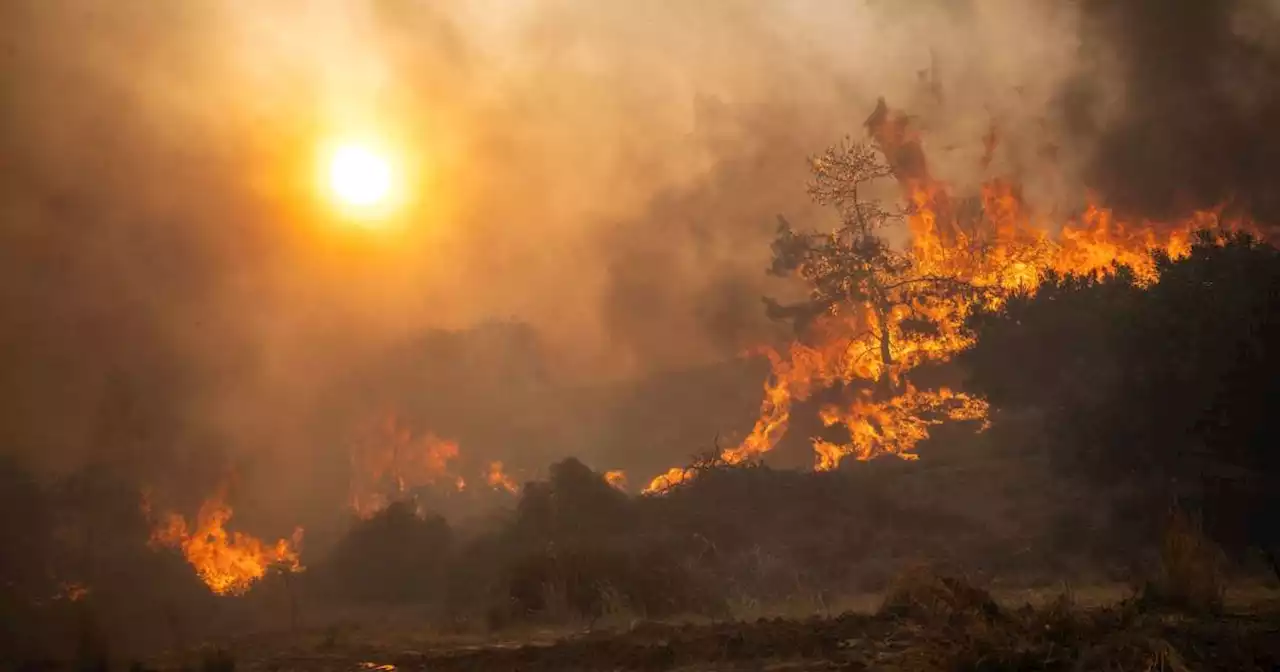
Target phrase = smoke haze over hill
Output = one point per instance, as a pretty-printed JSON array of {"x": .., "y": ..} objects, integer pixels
[{"x": 173, "y": 291}]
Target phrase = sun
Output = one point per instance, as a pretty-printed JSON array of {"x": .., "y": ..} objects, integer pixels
[{"x": 359, "y": 176}]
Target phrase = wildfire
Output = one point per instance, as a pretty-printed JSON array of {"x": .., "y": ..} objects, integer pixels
[
  {"x": 616, "y": 478},
  {"x": 497, "y": 478},
  {"x": 228, "y": 562},
  {"x": 663, "y": 482},
  {"x": 989, "y": 243},
  {"x": 893, "y": 427},
  {"x": 388, "y": 461}
]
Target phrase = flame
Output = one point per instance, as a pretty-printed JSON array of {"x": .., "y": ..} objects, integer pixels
[
  {"x": 616, "y": 478},
  {"x": 388, "y": 461},
  {"x": 664, "y": 482},
  {"x": 895, "y": 426},
  {"x": 227, "y": 562},
  {"x": 989, "y": 242},
  {"x": 72, "y": 591},
  {"x": 499, "y": 479}
]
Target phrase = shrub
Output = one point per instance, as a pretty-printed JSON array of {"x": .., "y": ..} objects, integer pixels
[
  {"x": 1132, "y": 651},
  {"x": 923, "y": 594},
  {"x": 587, "y": 583},
  {"x": 396, "y": 555},
  {"x": 1190, "y": 576},
  {"x": 216, "y": 659}
]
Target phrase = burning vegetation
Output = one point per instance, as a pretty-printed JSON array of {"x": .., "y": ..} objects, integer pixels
[
  {"x": 877, "y": 313},
  {"x": 388, "y": 461},
  {"x": 616, "y": 478},
  {"x": 256, "y": 236},
  {"x": 228, "y": 562},
  {"x": 497, "y": 478},
  {"x": 882, "y": 322},
  {"x": 941, "y": 312}
]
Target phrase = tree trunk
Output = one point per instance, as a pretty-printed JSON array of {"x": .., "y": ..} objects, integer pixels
[
  {"x": 886, "y": 350},
  {"x": 886, "y": 356},
  {"x": 293, "y": 600}
]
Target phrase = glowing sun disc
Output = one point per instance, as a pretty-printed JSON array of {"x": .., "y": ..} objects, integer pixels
[{"x": 359, "y": 177}]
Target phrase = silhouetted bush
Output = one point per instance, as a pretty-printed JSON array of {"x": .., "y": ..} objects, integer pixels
[
  {"x": 397, "y": 555},
  {"x": 216, "y": 659},
  {"x": 1167, "y": 389},
  {"x": 578, "y": 548},
  {"x": 573, "y": 505},
  {"x": 26, "y": 556},
  {"x": 588, "y": 582},
  {"x": 1190, "y": 576},
  {"x": 923, "y": 594}
]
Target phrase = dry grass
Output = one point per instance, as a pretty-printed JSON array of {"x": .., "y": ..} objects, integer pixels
[
  {"x": 216, "y": 659},
  {"x": 954, "y": 626},
  {"x": 1132, "y": 651},
  {"x": 927, "y": 622},
  {"x": 1190, "y": 576},
  {"x": 924, "y": 594}
]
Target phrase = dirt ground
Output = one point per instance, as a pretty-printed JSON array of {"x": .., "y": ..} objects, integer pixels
[{"x": 940, "y": 635}]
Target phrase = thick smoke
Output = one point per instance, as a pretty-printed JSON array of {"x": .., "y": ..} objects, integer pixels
[
  {"x": 1181, "y": 98},
  {"x": 173, "y": 288},
  {"x": 120, "y": 236}
]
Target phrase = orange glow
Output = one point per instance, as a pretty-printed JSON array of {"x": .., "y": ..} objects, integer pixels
[
  {"x": 664, "y": 482},
  {"x": 892, "y": 427},
  {"x": 229, "y": 563},
  {"x": 388, "y": 461},
  {"x": 72, "y": 591},
  {"x": 616, "y": 478},
  {"x": 496, "y": 478},
  {"x": 1000, "y": 249}
]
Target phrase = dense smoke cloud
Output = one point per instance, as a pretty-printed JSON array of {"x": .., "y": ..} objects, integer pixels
[
  {"x": 1181, "y": 100},
  {"x": 171, "y": 282},
  {"x": 121, "y": 232}
]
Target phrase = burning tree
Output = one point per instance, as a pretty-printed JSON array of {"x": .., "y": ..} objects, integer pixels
[
  {"x": 895, "y": 311},
  {"x": 878, "y": 309},
  {"x": 855, "y": 275},
  {"x": 873, "y": 311}
]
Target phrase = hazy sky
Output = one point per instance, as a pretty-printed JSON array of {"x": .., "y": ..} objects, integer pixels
[{"x": 606, "y": 171}]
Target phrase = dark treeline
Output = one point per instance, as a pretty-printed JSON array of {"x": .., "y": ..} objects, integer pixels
[{"x": 1167, "y": 389}]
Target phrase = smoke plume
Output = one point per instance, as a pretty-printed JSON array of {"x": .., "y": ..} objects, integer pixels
[
  {"x": 175, "y": 290},
  {"x": 1179, "y": 100}
]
